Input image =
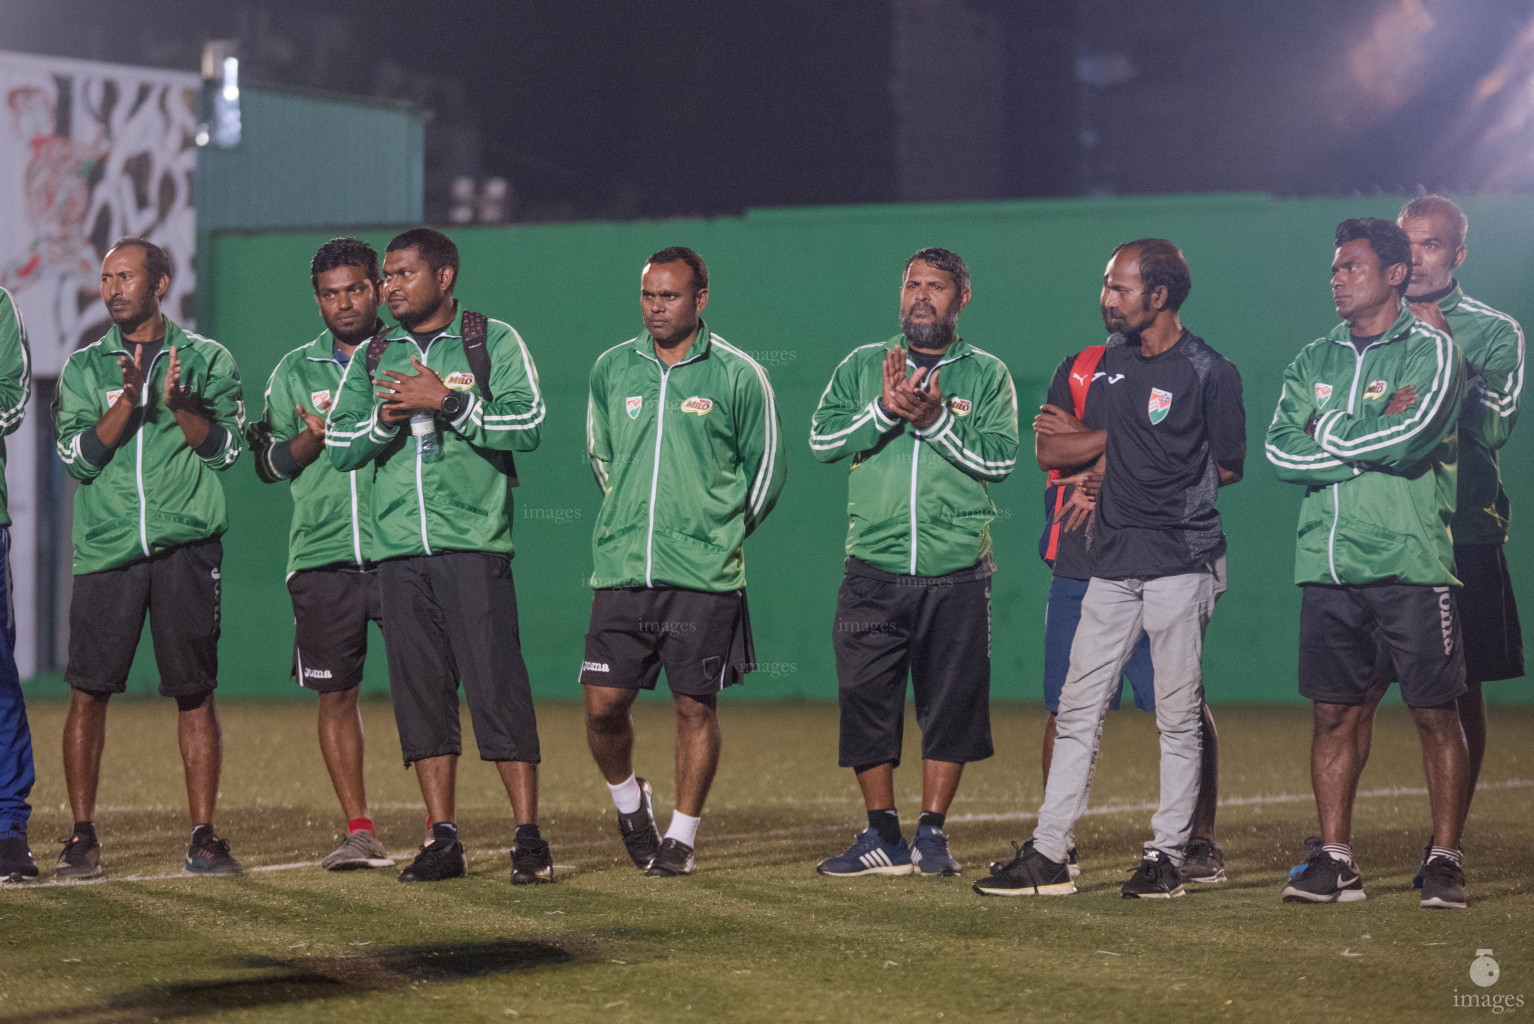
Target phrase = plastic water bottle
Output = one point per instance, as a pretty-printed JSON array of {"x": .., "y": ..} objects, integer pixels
[{"x": 423, "y": 427}]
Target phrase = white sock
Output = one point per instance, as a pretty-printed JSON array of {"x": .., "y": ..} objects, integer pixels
[
  {"x": 627, "y": 795},
  {"x": 684, "y": 828}
]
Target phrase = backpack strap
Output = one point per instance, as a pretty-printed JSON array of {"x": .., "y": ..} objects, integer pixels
[
  {"x": 476, "y": 327},
  {"x": 377, "y": 346},
  {"x": 1082, "y": 372}
]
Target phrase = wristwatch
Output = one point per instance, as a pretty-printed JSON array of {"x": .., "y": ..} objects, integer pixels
[{"x": 452, "y": 405}]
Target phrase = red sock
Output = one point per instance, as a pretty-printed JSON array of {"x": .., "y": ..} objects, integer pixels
[{"x": 360, "y": 825}]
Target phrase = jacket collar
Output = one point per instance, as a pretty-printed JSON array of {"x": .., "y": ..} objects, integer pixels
[
  {"x": 452, "y": 330},
  {"x": 112, "y": 341},
  {"x": 957, "y": 350},
  {"x": 1404, "y": 322},
  {"x": 1451, "y": 301},
  {"x": 700, "y": 347},
  {"x": 323, "y": 348}
]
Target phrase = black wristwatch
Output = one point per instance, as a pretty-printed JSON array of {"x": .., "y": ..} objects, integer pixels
[{"x": 452, "y": 405}]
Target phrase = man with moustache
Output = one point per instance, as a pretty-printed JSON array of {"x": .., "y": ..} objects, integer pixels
[
  {"x": 683, "y": 434},
  {"x": 442, "y": 511},
  {"x": 1492, "y": 344},
  {"x": 1367, "y": 424},
  {"x": 146, "y": 417},
  {"x": 331, "y": 575},
  {"x": 1175, "y": 434},
  {"x": 930, "y": 422}
]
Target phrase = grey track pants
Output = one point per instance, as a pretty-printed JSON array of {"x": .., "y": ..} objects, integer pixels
[{"x": 1174, "y": 611}]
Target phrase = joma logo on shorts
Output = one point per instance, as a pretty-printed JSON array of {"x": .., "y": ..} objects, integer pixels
[
  {"x": 594, "y": 666},
  {"x": 1446, "y": 619},
  {"x": 317, "y": 673}
]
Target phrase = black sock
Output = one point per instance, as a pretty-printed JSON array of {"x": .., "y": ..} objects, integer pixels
[
  {"x": 86, "y": 830},
  {"x": 201, "y": 832},
  {"x": 887, "y": 823},
  {"x": 444, "y": 831},
  {"x": 932, "y": 818},
  {"x": 528, "y": 832}
]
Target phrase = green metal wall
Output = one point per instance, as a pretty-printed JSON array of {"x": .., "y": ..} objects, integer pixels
[{"x": 800, "y": 288}]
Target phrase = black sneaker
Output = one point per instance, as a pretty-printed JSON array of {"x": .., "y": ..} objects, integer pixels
[
  {"x": 80, "y": 858},
  {"x": 1416, "y": 880},
  {"x": 1028, "y": 873},
  {"x": 16, "y": 860},
  {"x": 1203, "y": 861},
  {"x": 1070, "y": 864},
  {"x": 673, "y": 861},
  {"x": 638, "y": 830},
  {"x": 1326, "y": 879},
  {"x": 1443, "y": 884},
  {"x": 438, "y": 860},
  {"x": 209, "y": 855},
  {"x": 531, "y": 862},
  {"x": 1157, "y": 878}
]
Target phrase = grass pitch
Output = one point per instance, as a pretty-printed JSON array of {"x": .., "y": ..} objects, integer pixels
[{"x": 755, "y": 934}]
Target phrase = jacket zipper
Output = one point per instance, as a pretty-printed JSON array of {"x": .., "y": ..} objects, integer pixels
[
  {"x": 660, "y": 424},
  {"x": 138, "y": 469},
  {"x": 1331, "y": 541},
  {"x": 420, "y": 489},
  {"x": 916, "y": 456}
]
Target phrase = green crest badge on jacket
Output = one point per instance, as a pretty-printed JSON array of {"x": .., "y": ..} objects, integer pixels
[
  {"x": 633, "y": 404},
  {"x": 1323, "y": 392},
  {"x": 1160, "y": 403}
]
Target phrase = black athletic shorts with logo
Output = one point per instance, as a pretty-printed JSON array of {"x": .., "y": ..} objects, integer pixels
[
  {"x": 452, "y": 617},
  {"x": 1350, "y": 636},
  {"x": 702, "y": 639},
  {"x": 331, "y": 611},
  {"x": 180, "y": 589},
  {"x": 937, "y": 630}
]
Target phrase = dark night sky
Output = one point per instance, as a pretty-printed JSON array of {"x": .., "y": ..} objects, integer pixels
[{"x": 627, "y": 109}]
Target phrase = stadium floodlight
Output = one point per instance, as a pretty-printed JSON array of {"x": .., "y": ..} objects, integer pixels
[{"x": 219, "y": 124}]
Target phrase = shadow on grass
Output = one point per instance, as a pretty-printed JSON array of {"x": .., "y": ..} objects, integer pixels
[{"x": 308, "y": 979}]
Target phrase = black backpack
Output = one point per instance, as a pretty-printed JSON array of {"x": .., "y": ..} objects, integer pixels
[{"x": 475, "y": 329}]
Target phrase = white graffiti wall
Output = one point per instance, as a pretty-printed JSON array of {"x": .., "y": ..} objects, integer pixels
[{"x": 89, "y": 152}]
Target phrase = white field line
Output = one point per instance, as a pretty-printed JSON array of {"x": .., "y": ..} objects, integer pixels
[{"x": 785, "y": 833}]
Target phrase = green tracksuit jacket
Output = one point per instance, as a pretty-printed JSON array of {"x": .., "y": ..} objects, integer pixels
[
  {"x": 1379, "y": 490},
  {"x": 690, "y": 461},
  {"x": 332, "y": 510},
  {"x": 1493, "y": 346},
  {"x": 15, "y": 383},
  {"x": 919, "y": 501},
  {"x": 463, "y": 502},
  {"x": 151, "y": 492}
]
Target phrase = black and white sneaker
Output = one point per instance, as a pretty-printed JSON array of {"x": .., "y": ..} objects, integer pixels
[
  {"x": 16, "y": 863},
  {"x": 531, "y": 862},
  {"x": 640, "y": 836},
  {"x": 1070, "y": 864},
  {"x": 1203, "y": 861},
  {"x": 673, "y": 861},
  {"x": 209, "y": 855},
  {"x": 1028, "y": 873},
  {"x": 439, "y": 859},
  {"x": 1326, "y": 879},
  {"x": 1157, "y": 878},
  {"x": 1443, "y": 884},
  {"x": 80, "y": 858}
]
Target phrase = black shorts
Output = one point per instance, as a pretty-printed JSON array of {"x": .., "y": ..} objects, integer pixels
[
  {"x": 1346, "y": 632},
  {"x": 452, "y": 617},
  {"x": 179, "y": 588},
  {"x": 331, "y": 612},
  {"x": 1488, "y": 614},
  {"x": 702, "y": 640},
  {"x": 935, "y": 629}
]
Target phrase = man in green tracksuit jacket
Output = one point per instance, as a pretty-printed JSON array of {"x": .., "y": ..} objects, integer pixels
[
  {"x": 331, "y": 575},
  {"x": 916, "y": 597},
  {"x": 1367, "y": 423},
  {"x": 683, "y": 434},
  {"x": 1492, "y": 343},
  {"x": 146, "y": 417},
  {"x": 16, "y": 768},
  {"x": 442, "y": 537}
]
